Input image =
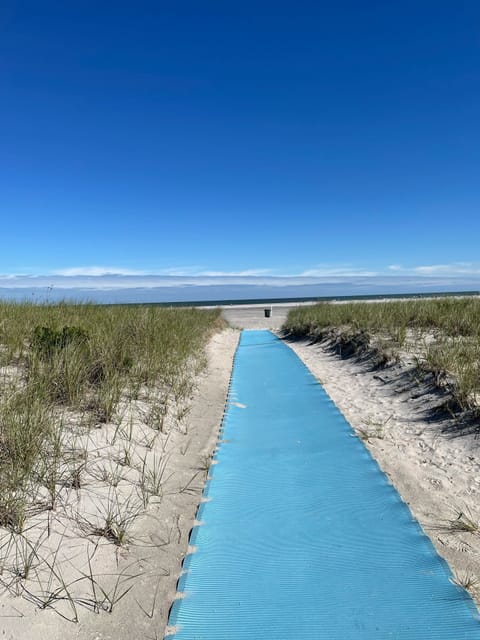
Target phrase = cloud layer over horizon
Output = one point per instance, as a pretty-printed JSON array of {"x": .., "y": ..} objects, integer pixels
[
  {"x": 101, "y": 284},
  {"x": 100, "y": 277}
]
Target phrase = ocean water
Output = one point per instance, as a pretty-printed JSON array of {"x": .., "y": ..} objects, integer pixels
[{"x": 207, "y": 295}]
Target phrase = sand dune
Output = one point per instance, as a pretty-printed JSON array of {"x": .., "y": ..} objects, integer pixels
[
  {"x": 437, "y": 475},
  {"x": 79, "y": 591}
]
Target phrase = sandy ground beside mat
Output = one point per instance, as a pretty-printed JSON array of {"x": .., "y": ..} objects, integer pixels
[{"x": 149, "y": 563}]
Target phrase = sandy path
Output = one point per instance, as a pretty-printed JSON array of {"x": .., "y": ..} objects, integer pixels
[{"x": 252, "y": 316}]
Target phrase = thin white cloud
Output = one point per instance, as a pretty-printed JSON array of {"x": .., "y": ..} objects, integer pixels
[
  {"x": 458, "y": 268},
  {"x": 154, "y": 288},
  {"x": 148, "y": 281},
  {"x": 13, "y": 276},
  {"x": 98, "y": 271},
  {"x": 197, "y": 271},
  {"x": 245, "y": 273},
  {"x": 464, "y": 275},
  {"x": 180, "y": 271},
  {"x": 449, "y": 269},
  {"x": 348, "y": 272},
  {"x": 189, "y": 271}
]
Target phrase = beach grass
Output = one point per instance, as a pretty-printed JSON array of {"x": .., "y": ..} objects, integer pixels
[
  {"x": 67, "y": 371},
  {"x": 442, "y": 334}
]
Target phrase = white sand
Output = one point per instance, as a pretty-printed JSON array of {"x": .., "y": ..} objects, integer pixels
[
  {"x": 252, "y": 316},
  {"x": 81, "y": 574}
]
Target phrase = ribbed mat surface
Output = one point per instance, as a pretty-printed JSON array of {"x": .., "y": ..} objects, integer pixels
[{"x": 303, "y": 537}]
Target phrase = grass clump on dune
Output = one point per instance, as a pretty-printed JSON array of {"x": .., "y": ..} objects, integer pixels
[
  {"x": 85, "y": 357},
  {"x": 443, "y": 334},
  {"x": 83, "y": 386}
]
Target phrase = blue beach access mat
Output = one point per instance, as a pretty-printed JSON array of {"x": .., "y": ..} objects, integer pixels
[{"x": 302, "y": 536}]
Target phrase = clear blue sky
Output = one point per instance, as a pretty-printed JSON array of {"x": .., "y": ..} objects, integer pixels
[{"x": 289, "y": 137}]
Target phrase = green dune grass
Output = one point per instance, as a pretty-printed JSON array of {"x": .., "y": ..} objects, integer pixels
[
  {"x": 83, "y": 358},
  {"x": 442, "y": 334}
]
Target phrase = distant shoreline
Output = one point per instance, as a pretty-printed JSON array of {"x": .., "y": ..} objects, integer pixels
[
  {"x": 312, "y": 299},
  {"x": 57, "y": 296}
]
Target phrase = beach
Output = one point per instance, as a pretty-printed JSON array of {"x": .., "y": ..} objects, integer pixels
[
  {"x": 128, "y": 585},
  {"x": 252, "y": 316},
  {"x": 64, "y": 576}
]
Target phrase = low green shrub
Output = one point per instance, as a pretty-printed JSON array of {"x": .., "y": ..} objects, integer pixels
[{"x": 46, "y": 341}]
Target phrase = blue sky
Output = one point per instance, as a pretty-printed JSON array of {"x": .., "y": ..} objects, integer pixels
[{"x": 278, "y": 138}]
